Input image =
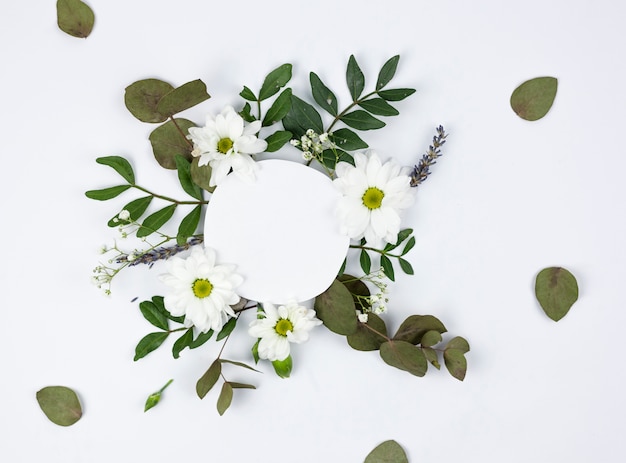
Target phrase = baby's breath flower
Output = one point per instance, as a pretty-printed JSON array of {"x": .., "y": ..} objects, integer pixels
[{"x": 124, "y": 215}]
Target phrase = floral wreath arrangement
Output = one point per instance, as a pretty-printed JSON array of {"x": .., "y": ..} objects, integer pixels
[{"x": 227, "y": 158}]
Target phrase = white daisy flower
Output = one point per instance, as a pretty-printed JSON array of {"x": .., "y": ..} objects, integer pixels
[
  {"x": 226, "y": 142},
  {"x": 280, "y": 326},
  {"x": 201, "y": 290},
  {"x": 373, "y": 195}
]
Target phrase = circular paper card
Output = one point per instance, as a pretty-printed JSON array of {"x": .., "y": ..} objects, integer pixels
[{"x": 280, "y": 231}]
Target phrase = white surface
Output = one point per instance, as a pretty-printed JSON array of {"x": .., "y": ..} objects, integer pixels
[
  {"x": 508, "y": 198},
  {"x": 294, "y": 249}
]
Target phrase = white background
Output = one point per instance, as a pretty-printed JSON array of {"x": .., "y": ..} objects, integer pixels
[{"x": 508, "y": 198}]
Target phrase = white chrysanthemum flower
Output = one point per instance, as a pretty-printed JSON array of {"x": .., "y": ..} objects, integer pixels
[
  {"x": 226, "y": 142},
  {"x": 201, "y": 290},
  {"x": 280, "y": 326},
  {"x": 374, "y": 194}
]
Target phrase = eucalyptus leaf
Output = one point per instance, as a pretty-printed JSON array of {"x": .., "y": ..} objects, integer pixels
[
  {"x": 274, "y": 81},
  {"x": 354, "y": 78},
  {"x": 182, "y": 342},
  {"x": 227, "y": 329},
  {"x": 183, "y": 97},
  {"x": 156, "y": 220},
  {"x": 142, "y": 99},
  {"x": 379, "y": 107},
  {"x": 556, "y": 290},
  {"x": 431, "y": 338},
  {"x": 335, "y": 307},
  {"x": 458, "y": 343},
  {"x": 135, "y": 208},
  {"x": 346, "y": 139},
  {"x": 208, "y": 379},
  {"x": 387, "y": 452},
  {"x": 359, "y": 290},
  {"x": 533, "y": 99},
  {"x": 239, "y": 364},
  {"x": 188, "y": 225},
  {"x": 277, "y": 140},
  {"x": 153, "y": 315},
  {"x": 396, "y": 94},
  {"x": 455, "y": 363},
  {"x": 279, "y": 108},
  {"x": 366, "y": 339},
  {"x": 169, "y": 140},
  {"x": 184, "y": 177},
  {"x": 225, "y": 398},
  {"x": 236, "y": 385},
  {"x": 107, "y": 193},
  {"x": 121, "y": 166},
  {"x": 75, "y": 18},
  {"x": 405, "y": 356},
  {"x": 149, "y": 343},
  {"x": 432, "y": 357},
  {"x": 60, "y": 404},
  {"x": 362, "y": 120},
  {"x": 322, "y": 95},
  {"x": 283, "y": 367},
  {"x": 201, "y": 175},
  {"x": 415, "y": 326},
  {"x": 387, "y": 72}
]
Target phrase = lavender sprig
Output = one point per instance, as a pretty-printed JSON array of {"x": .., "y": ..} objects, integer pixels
[
  {"x": 161, "y": 253},
  {"x": 422, "y": 170}
]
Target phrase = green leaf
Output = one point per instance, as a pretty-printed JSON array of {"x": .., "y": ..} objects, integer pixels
[
  {"x": 184, "y": 177},
  {"x": 556, "y": 290},
  {"x": 274, "y": 81},
  {"x": 208, "y": 379},
  {"x": 431, "y": 338},
  {"x": 405, "y": 356},
  {"x": 60, "y": 404},
  {"x": 301, "y": 117},
  {"x": 182, "y": 342},
  {"x": 533, "y": 99},
  {"x": 362, "y": 120},
  {"x": 396, "y": 94},
  {"x": 149, "y": 343},
  {"x": 283, "y": 367},
  {"x": 387, "y": 452},
  {"x": 365, "y": 339},
  {"x": 247, "y": 94},
  {"x": 135, "y": 208},
  {"x": 458, "y": 343},
  {"x": 75, "y": 18},
  {"x": 322, "y": 95},
  {"x": 406, "y": 266},
  {"x": 387, "y": 267},
  {"x": 279, "y": 108},
  {"x": 359, "y": 290},
  {"x": 168, "y": 142},
  {"x": 365, "y": 261},
  {"x": 107, "y": 193},
  {"x": 159, "y": 303},
  {"x": 409, "y": 245},
  {"x": 431, "y": 356},
  {"x": 455, "y": 363},
  {"x": 404, "y": 234},
  {"x": 154, "y": 315},
  {"x": 239, "y": 364},
  {"x": 201, "y": 175},
  {"x": 415, "y": 326},
  {"x": 142, "y": 99},
  {"x": 246, "y": 113},
  {"x": 335, "y": 307},
  {"x": 331, "y": 157},
  {"x": 227, "y": 329},
  {"x": 346, "y": 139},
  {"x": 379, "y": 107},
  {"x": 277, "y": 140},
  {"x": 201, "y": 339},
  {"x": 183, "y": 97},
  {"x": 121, "y": 166},
  {"x": 387, "y": 72},
  {"x": 225, "y": 398},
  {"x": 156, "y": 220},
  {"x": 235, "y": 385},
  {"x": 188, "y": 225},
  {"x": 354, "y": 78}
]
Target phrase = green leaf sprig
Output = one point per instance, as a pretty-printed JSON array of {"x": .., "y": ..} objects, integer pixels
[
  {"x": 60, "y": 404},
  {"x": 385, "y": 254}
]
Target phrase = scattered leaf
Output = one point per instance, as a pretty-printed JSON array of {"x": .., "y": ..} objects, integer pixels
[
  {"x": 225, "y": 398},
  {"x": 533, "y": 99},
  {"x": 274, "y": 81},
  {"x": 75, "y": 18},
  {"x": 415, "y": 326},
  {"x": 107, "y": 193},
  {"x": 387, "y": 452},
  {"x": 364, "y": 338},
  {"x": 405, "y": 356},
  {"x": 142, "y": 99},
  {"x": 121, "y": 166},
  {"x": 201, "y": 175},
  {"x": 335, "y": 307},
  {"x": 183, "y": 97},
  {"x": 208, "y": 379},
  {"x": 60, "y": 404},
  {"x": 556, "y": 290},
  {"x": 156, "y": 220},
  {"x": 455, "y": 363},
  {"x": 149, "y": 343},
  {"x": 169, "y": 140}
]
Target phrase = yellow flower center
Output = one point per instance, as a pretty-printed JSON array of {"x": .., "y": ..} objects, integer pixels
[
  {"x": 202, "y": 288},
  {"x": 224, "y": 145},
  {"x": 283, "y": 326},
  {"x": 373, "y": 198}
]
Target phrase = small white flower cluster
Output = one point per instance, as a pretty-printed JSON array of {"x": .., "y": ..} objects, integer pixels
[
  {"x": 377, "y": 301},
  {"x": 313, "y": 144}
]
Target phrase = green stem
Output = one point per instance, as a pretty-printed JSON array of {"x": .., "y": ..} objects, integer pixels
[
  {"x": 166, "y": 198},
  {"x": 350, "y": 106},
  {"x": 164, "y": 387},
  {"x": 379, "y": 251},
  {"x": 182, "y": 134}
]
